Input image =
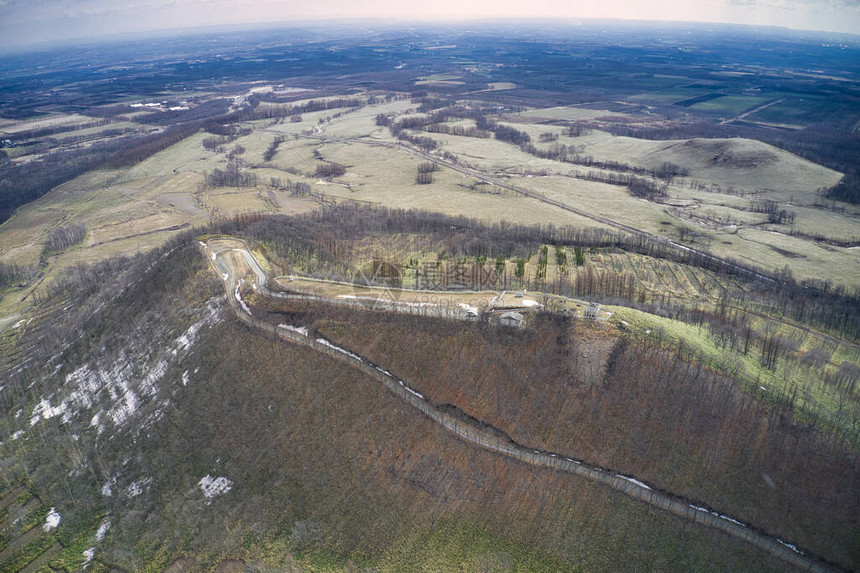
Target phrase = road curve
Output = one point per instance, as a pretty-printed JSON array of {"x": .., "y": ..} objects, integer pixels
[{"x": 498, "y": 441}]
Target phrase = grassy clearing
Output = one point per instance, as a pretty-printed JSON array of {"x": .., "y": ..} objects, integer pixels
[
  {"x": 235, "y": 201},
  {"x": 13, "y": 127},
  {"x": 566, "y": 113},
  {"x": 813, "y": 401},
  {"x": 601, "y": 199},
  {"x": 818, "y": 221},
  {"x": 731, "y": 104},
  {"x": 806, "y": 259},
  {"x": 387, "y": 176},
  {"x": 187, "y": 155},
  {"x": 799, "y": 112}
]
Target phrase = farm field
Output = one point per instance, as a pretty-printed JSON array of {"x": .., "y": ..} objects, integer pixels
[{"x": 713, "y": 200}]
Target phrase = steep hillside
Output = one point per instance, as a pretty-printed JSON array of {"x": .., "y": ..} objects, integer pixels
[
  {"x": 161, "y": 431},
  {"x": 578, "y": 389}
]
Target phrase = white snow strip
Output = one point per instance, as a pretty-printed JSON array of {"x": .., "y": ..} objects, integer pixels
[
  {"x": 735, "y": 521},
  {"x": 17, "y": 434},
  {"x": 633, "y": 480},
  {"x": 185, "y": 378},
  {"x": 240, "y": 301},
  {"x": 790, "y": 546},
  {"x": 297, "y": 329},
  {"x": 530, "y": 302},
  {"x": 411, "y": 391},
  {"x": 52, "y": 521},
  {"x": 214, "y": 486},
  {"x": 328, "y": 344},
  {"x": 717, "y": 514},
  {"x": 384, "y": 371},
  {"x": 346, "y": 296}
]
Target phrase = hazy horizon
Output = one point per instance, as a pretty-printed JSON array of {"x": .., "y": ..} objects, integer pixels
[{"x": 25, "y": 24}]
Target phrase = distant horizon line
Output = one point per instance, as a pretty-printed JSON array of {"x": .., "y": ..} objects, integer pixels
[{"x": 179, "y": 32}]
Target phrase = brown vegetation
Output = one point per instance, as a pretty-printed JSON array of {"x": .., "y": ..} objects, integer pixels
[{"x": 657, "y": 416}]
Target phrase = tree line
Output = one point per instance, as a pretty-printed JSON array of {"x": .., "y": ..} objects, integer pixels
[
  {"x": 232, "y": 176},
  {"x": 816, "y": 303},
  {"x": 62, "y": 238}
]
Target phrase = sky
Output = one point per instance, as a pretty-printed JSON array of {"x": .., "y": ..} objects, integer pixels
[{"x": 24, "y": 22}]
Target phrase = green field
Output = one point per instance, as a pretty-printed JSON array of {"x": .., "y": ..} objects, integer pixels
[{"x": 731, "y": 104}]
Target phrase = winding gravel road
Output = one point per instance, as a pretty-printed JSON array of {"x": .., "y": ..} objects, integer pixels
[{"x": 217, "y": 251}]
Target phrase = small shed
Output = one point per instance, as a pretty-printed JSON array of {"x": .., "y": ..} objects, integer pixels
[{"x": 511, "y": 319}]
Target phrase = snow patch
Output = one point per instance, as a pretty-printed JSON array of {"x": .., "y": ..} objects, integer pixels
[
  {"x": 107, "y": 488},
  {"x": 530, "y": 302},
  {"x": 633, "y": 480},
  {"x": 96, "y": 423},
  {"x": 328, "y": 344},
  {"x": 44, "y": 411},
  {"x": 102, "y": 531},
  {"x": 213, "y": 487},
  {"x": 718, "y": 514},
  {"x": 126, "y": 405},
  {"x": 185, "y": 378},
  {"x": 790, "y": 546},
  {"x": 148, "y": 385},
  {"x": 470, "y": 310},
  {"x": 187, "y": 339},
  {"x": 17, "y": 434},
  {"x": 727, "y": 518},
  {"x": 138, "y": 487},
  {"x": 52, "y": 521},
  {"x": 297, "y": 329},
  {"x": 88, "y": 557},
  {"x": 239, "y": 299},
  {"x": 411, "y": 391}
]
